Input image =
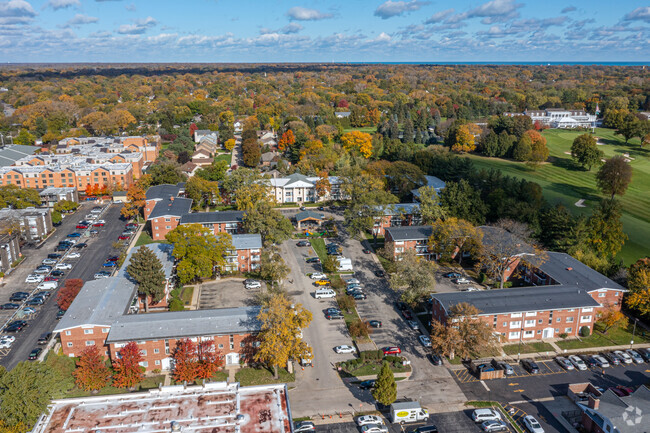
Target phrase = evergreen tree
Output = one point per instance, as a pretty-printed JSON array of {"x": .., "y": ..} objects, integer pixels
[
  {"x": 40, "y": 126},
  {"x": 558, "y": 229},
  {"x": 147, "y": 271},
  {"x": 385, "y": 390},
  {"x": 409, "y": 132}
]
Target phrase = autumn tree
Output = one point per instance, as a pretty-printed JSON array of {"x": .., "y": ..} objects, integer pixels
[
  {"x": 638, "y": 281},
  {"x": 358, "y": 141},
  {"x": 202, "y": 192},
  {"x": 251, "y": 152},
  {"x": 272, "y": 267},
  {"x": 91, "y": 373},
  {"x": 611, "y": 316},
  {"x": 463, "y": 333},
  {"x": 585, "y": 152},
  {"x": 453, "y": 237},
  {"x": 429, "y": 207},
  {"x": 245, "y": 187},
  {"x": 128, "y": 372},
  {"x": 68, "y": 292},
  {"x": 147, "y": 271},
  {"x": 403, "y": 177},
  {"x": 273, "y": 227},
  {"x": 322, "y": 186},
  {"x": 281, "y": 322},
  {"x": 464, "y": 138},
  {"x": 605, "y": 233},
  {"x": 136, "y": 199},
  {"x": 195, "y": 361},
  {"x": 286, "y": 141},
  {"x": 414, "y": 277},
  {"x": 198, "y": 251},
  {"x": 385, "y": 389},
  {"x": 614, "y": 176},
  {"x": 229, "y": 144}
]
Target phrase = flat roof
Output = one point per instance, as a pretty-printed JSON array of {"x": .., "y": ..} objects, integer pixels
[
  {"x": 216, "y": 407},
  {"x": 247, "y": 242},
  {"x": 213, "y": 217},
  {"x": 184, "y": 324},
  {"x": 410, "y": 233}
]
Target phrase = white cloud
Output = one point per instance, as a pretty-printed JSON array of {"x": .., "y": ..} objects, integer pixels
[
  {"x": 439, "y": 16},
  {"x": 496, "y": 11},
  {"x": 568, "y": 9},
  {"x": 383, "y": 37},
  {"x": 639, "y": 14},
  {"x": 61, "y": 4},
  {"x": 390, "y": 8},
  {"x": 138, "y": 27},
  {"x": 131, "y": 7},
  {"x": 16, "y": 12},
  {"x": 299, "y": 13},
  {"x": 80, "y": 19}
]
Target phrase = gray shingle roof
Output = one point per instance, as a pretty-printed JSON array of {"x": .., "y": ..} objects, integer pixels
[
  {"x": 247, "y": 242},
  {"x": 181, "y": 324},
  {"x": 100, "y": 302},
  {"x": 160, "y": 192},
  {"x": 303, "y": 215},
  {"x": 519, "y": 299},
  {"x": 213, "y": 217},
  {"x": 177, "y": 207},
  {"x": 397, "y": 209},
  {"x": 410, "y": 233},
  {"x": 162, "y": 251},
  {"x": 13, "y": 152},
  {"x": 629, "y": 414},
  {"x": 571, "y": 272}
]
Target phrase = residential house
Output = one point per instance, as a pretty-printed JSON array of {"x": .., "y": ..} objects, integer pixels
[
  {"x": 219, "y": 221},
  {"x": 396, "y": 215},
  {"x": 208, "y": 143},
  {"x": 238, "y": 126},
  {"x": 189, "y": 168},
  {"x": 610, "y": 413},
  {"x": 166, "y": 215},
  {"x": 200, "y": 133},
  {"x": 161, "y": 192},
  {"x": 51, "y": 196},
  {"x": 34, "y": 223},
  {"x": 269, "y": 159},
  {"x": 298, "y": 188},
  {"x": 202, "y": 158},
  {"x": 342, "y": 114},
  {"x": 9, "y": 250},
  {"x": 246, "y": 253}
]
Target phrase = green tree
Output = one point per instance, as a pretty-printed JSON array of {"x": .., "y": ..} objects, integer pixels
[
  {"x": 56, "y": 217},
  {"x": 147, "y": 271},
  {"x": 630, "y": 127},
  {"x": 202, "y": 192},
  {"x": 18, "y": 198},
  {"x": 605, "y": 229},
  {"x": 214, "y": 172},
  {"x": 272, "y": 267},
  {"x": 523, "y": 149},
  {"x": 430, "y": 209},
  {"x": 198, "y": 250},
  {"x": 453, "y": 237},
  {"x": 40, "y": 127},
  {"x": 559, "y": 229},
  {"x": 463, "y": 333},
  {"x": 414, "y": 277},
  {"x": 281, "y": 322},
  {"x": 638, "y": 281},
  {"x": 614, "y": 176},
  {"x": 24, "y": 138},
  {"x": 461, "y": 200},
  {"x": 585, "y": 152},
  {"x": 274, "y": 227},
  {"x": 403, "y": 177},
  {"x": 330, "y": 264},
  {"x": 25, "y": 391},
  {"x": 385, "y": 390},
  {"x": 65, "y": 206},
  {"x": 165, "y": 173}
]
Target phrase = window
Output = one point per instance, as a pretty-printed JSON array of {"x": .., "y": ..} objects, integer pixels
[
  {"x": 514, "y": 334},
  {"x": 69, "y": 344},
  {"x": 540, "y": 321},
  {"x": 587, "y": 310},
  {"x": 143, "y": 352},
  {"x": 105, "y": 330},
  {"x": 615, "y": 293},
  {"x": 529, "y": 323},
  {"x": 568, "y": 330},
  {"x": 515, "y": 324},
  {"x": 528, "y": 334},
  {"x": 157, "y": 362},
  {"x": 156, "y": 351},
  {"x": 68, "y": 333},
  {"x": 585, "y": 319},
  {"x": 505, "y": 323},
  {"x": 220, "y": 346},
  {"x": 602, "y": 295},
  {"x": 167, "y": 219},
  {"x": 513, "y": 315},
  {"x": 144, "y": 364},
  {"x": 539, "y": 331},
  {"x": 88, "y": 331},
  {"x": 168, "y": 227},
  {"x": 533, "y": 314},
  {"x": 559, "y": 319},
  {"x": 90, "y": 343},
  {"x": 569, "y": 320}
]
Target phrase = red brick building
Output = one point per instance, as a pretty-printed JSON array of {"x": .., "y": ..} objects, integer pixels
[
  {"x": 158, "y": 193},
  {"x": 219, "y": 222},
  {"x": 396, "y": 215},
  {"x": 166, "y": 215},
  {"x": 246, "y": 256},
  {"x": 397, "y": 240}
]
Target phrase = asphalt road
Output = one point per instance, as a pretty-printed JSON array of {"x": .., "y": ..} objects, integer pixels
[{"x": 91, "y": 260}]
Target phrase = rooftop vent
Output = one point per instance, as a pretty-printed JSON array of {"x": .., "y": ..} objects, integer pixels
[
  {"x": 569, "y": 269},
  {"x": 176, "y": 427}
]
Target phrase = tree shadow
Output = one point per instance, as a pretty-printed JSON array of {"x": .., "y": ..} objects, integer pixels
[
  {"x": 581, "y": 191},
  {"x": 565, "y": 163}
]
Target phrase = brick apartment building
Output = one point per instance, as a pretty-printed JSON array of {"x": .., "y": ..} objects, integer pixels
[
  {"x": 246, "y": 255},
  {"x": 219, "y": 222},
  {"x": 9, "y": 250},
  {"x": 166, "y": 215},
  {"x": 34, "y": 223},
  {"x": 163, "y": 252},
  {"x": 396, "y": 215},
  {"x": 161, "y": 192},
  {"x": 148, "y": 146},
  {"x": 109, "y": 175},
  {"x": 397, "y": 240},
  {"x": 51, "y": 196}
]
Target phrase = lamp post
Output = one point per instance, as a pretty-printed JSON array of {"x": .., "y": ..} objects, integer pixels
[
  {"x": 521, "y": 337},
  {"x": 633, "y": 331}
]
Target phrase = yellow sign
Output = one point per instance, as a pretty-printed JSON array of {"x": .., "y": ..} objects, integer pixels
[{"x": 402, "y": 414}]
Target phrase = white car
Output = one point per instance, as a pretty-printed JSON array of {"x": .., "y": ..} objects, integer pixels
[
  {"x": 74, "y": 255},
  {"x": 5, "y": 344},
  {"x": 253, "y": 285},
  {"x": 353, "y": 281},
  {"x": 374, "y": 428},
  {"x": 369, "y": 419},
  {"x": 100, "y": 222},
  {"x": 602, "y": 361},
  {"x": 91, "y": 217},
  {"x": 9, "y": 338},
  {"x": 532, "y": 425},
  {"x": 324, "y": 293},
  {"x": 462, "y": 280},
  {"x": 318, "y": 276},
  {"x": 625, "y": 358},
  {"x": 63, "y": 266},
  {"x": 49, "y": 262},
  {"x": 32, "y": 278},
  {"x": 425, "y": 340},
  {"x": 344, "y": 349},
  {"x": 579, "y": 363},
  {"x": 99, "y": 275}
]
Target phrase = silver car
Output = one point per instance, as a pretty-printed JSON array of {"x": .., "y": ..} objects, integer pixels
[{"x": 635, "y": 356}]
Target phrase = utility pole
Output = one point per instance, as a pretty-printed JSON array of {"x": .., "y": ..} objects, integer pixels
[
  {"x": 633, "y": 331},
  {"x": 521, "y": 337}
]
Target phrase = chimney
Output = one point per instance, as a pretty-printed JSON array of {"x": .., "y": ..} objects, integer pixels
[
  {"x": 593, "y": 403},
  {"x": 569, "y": 269},
  {"x": 171, "y": 198}
]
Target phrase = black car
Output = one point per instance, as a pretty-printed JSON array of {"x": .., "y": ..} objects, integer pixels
[
  {"x": 374, "y": 323},
  {"x": 9, "y": 306},
  {"x": 425, "y": 429},
  {"x": 333, "y": 252},
  {"x": 44, "y": 338},
  {"x": 16, "y": 326},
  {"x": 334, "y": 316},
  {"x": 359, "y": 296},
  {"x": 332, "y": 310},
  {"x": 33, "y": 355},
  {"x": 60, "y": 314},
  {"x": 401, "y": 306},
  {"x": 530, "y": 366},
  {"x": 645, "y": 354},
  {"x": 367, "y": 384},
  {"x": 380, "y": 274},
  {"x": 589, "y": 360},
  {"x": 25, "y": 294},
  {"x": 435, "y": 359},
  {"x": 81, "y": 245},
  {"x": 62, "y": 248},
  {"x": 611, "y": 357},
  {"x": 313, "y": 260},
  {"x": 35, "y": 302},
  {"x": 19, "y": 296},
  {"x": 54, "y": 256},
  {"x": 303, "y": 243},
  {"x": 58, "y": 273}
]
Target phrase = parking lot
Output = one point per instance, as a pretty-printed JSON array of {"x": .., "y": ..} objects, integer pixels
[
  {"x": 84, "y": 267},
  {"x": 226, "y": 293}
]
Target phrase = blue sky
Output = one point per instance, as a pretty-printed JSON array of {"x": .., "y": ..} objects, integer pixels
[{"x": 323, "y": 31}]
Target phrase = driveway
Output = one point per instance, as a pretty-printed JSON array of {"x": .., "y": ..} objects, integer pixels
[
  {"x": 92, "y": 257},
  {"x": 226, "y": 293}
]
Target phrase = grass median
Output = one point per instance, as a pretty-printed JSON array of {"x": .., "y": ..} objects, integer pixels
[
  {"x": 613, "y": 337},
  {"x": 513, "y": 349}
]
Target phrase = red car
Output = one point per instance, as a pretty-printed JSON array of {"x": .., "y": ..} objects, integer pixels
[
  {"x": 98, "y": 225},
  {"x": 407, "y": 315},
  {"x": 82, "y": 226},
  {"x": 123, "y": 237},
  {"x": 391, "y": 350},
  {"x": 51, "y": 279}
]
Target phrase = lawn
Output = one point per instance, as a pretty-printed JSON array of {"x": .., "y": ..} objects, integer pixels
[
  {"x": 614, "y": 337},
  {"x": 224, "y": 157},
  {"x": 513, "y": 349},
  {"x": 145, "y": 239},
  {"x": 186, "y": 295},
  {"x": 358, "y": 367},
  {"x": 565, "y": 183},
  {"x": 318, "y": 245},
  {"x": 248, "y": 376},
  {"x": 368, "y": 129}
]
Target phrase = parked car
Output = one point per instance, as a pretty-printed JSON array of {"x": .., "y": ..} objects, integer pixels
[
  {"x": 379, "y": 274},
  {"x": 33, "y": 355},
  {"x": 9, "y": 306},
  {"x": 369, "y": 419},
  {"x": 407, "y": 315},
  {"x": 618, "y": 392},
  {"x": 452, "y": 275},
  {"x": 374, "y": 428},
  {"x": 34, "y": 302},
  {"x": 635, "y": 356},
  {"x": 32, "y": 278},
  {"x": 374, "y": 323},
  {"x": 253, "y": 285},
  {"x": 317, "y": 276},
  {"x": 482, "y": 415},
  {"x": 74, "y": 235},
  {"x": 507, "y": 368},
  {"x": 624, "y": 357},
  {"x": 367, "y": 384},
  {"x": 391, "y": 350},
  {"x": 44, "y": 338},
  {"x": 352, "y": 281},
  {"x": 322, "y": 282},
  {"x": 54, "y": 256},
  {"x": 42, "y": 271},
  {"x": 82, "y": 226},
  {"x": 63, "y": 266},
  {"x": 530, "y": 366},
  {"x": 130, "y": 226},
  {"x": 579, "y": 363},
  {"x": 532, "y": 425},
  {"x": 104, "y": 222},
  {"x": 99, "y": 275},
  {"x": 425, "y": 340},
  {"x": 5, "y": 343},
  {"x": 589, "y": 360},
  {"x": 58, "y": 273},
  {"x": 312, "y": 260},
  {"x": 324, "y": 293},
  {"x": 412, "y": 324},
  {"x": 123, "y": 237},
  {"x": 303, "y": 244},
  {"x": 16, "y": 326},
  {"x": 74, "y": 255},
  {"x": 98, "y": 224},
  {"x": 601, "y": 360},
  {"x": 611, "y": 356},
  {"x": 564, "y": 363},
  {"x": 110, "y": 265},
  {"x": 304, "y": 426},
  {"x": 344, "y": 349},
  {"x": 645, "y": 354},
  {"x": 332, "y": 310},
  {"x": 435, "y": 358},
  {"x": 461, "y": 280},
  {"x": 60, "y": 314},
  {"x": 81, "y": 245},
  {"x": 49, "y": 261},
  {"x": 359, "y": 296},
  {"x": 625, "y": 389},
  {"x": 493, "y": 426},
  {"x": 334, "y": 316},
  {"x": 366, "y": 251},
  {"x": 113, "y": 259}
]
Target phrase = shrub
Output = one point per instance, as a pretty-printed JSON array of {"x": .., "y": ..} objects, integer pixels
[
  {"x": 176, "y": 305},
  {"x": 584, "y": 331},
  {"x": 358, "y": 329},
  {"x": 563, "y": 335}
]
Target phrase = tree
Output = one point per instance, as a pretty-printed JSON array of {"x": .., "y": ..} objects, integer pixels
[
  {"x": 251, "y": 152},
  {"x": 538, "y": 150},
  {"x": 272, "y": 267},
  {"x": 281, "y": 322},
  {"x": 385, "y": 390},
  {"x": 464, "y": 138},
  {"x": 213, "y": 172},
  {"x": 414, "y": 277},
  {"x": 522, "y": 149},
  {"x": 403, "y": 177},
  {"x": 273, "y": 227},
  {"x": 65, "y": 206},
  {"x": 286, "y": 141},
  {"x": 229, "y": 144},
  {"x": 128, "y": 372},
  {"x": 25, "y": 392},
  {"x": 605, "y": 233},
  {"x": 24, "y": 138},
  {"x": 198, "y": 250},
  {"x": 461, "y": 200},
  {"x": 148, "y": 273},
  {"x": 630, "y": 127},
  {"x": 202, "y": 192},
  {"x": 610, "y": 317},
  {"x": 91, "y": 373},
  {"x": 559, "y": 229},
  {"x": 585, "y": 152},
  {"x": 122, "y": 119},
  {"x": 359, "y": 141},
  {"x": 70, "y": 290},
  {"x": 322, "y": 186},
  {"x": 452, "y": 237},
  {"x": 165, "y": 174},
  {"x": 195, "y": 361},
  {"x": 18, "y": 198},
  {"x": 330, "y": 264},
  {"x": 246, "y": 187},
  {"x": 638, "y": 281},
  {"x": 136, "y": 199},
  {"x": 614, "y": 176},
  {"x": 429, "y": 208},
  {"x": 462, "y": 334}
]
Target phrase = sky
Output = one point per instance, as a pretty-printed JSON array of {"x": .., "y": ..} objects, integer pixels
[{"x": 324, "y": 31}]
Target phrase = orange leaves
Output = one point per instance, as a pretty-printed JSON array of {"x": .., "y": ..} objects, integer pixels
[{"x": 360, "y": 141}]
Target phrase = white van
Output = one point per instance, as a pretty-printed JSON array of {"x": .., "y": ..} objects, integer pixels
[
  {"x": 480, "y": 415},
  {"x": 408, "y": 411},
  {"x": 48, "y": 285},
  {"x": 324, "y": 293}
]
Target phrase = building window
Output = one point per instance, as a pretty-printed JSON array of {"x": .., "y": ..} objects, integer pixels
[
  {"x": 515, "y": 315},
  {"x": 529, "y": 323},
  {"x": 105, "y": 330},
  {"x": 559, "y": 319},
  {"x": 156, "y": 351},
  {"x": 568, "y": 330},
  {"x": 602, "y": 295},
  {"x": 90, "y": 343},
  {"x": 167, "y": 219},
  {"x": 143, "y": 352},
  {"x": 528, "y": 334},
  {"x": 569, "y": 320},
  {"x": 587, "y": 310},
  {"x": 514, "y": 334},
  {"x": 540, "y": 321},
  {"x": 69, "y": 344},
  {"x": 68, "y": 333},
  {"x": 533, "y": 314},
  {"x": 168, "y": 227},
  {"x": 585, "y": 319},
  {"x": 88, "y": 331},
  {"x": 515, "y": 324},
  {"x": 157, "y": 362},
  {"x": 144, "y": 364},
  {"x": 220, "y": 346}
]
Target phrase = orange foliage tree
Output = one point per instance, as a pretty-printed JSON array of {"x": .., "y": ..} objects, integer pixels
[
  {"x": 360, "y": 141},
  {"x": 128, "y": 372},
  {"x": 286, "y": 140},
  {"x": 91, "y": 372},
  {"x": 195, "y": 361},
  {"x": 69, "y": 291}
]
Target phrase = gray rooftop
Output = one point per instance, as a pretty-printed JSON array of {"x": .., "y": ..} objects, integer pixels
[
  {"x": 519, "y": 299},
  {"x": 213, "y": 217},
  {"x": 397, "y": 209},
  {"x": 305, "y": 214},
  {"x": 11, "y": 153},
  {"x": 100, "y": 302},
  {"x": 247, "y": 242},
  {"x": 171, "y": 206},
  {"x": 569, "y": 271},
  {"x": 185, "y": 324},
  {"x": 410, "y": 233},
  {"x": 57, "y": 190},
  {"x": 160, "y": 192},
  {"x": 629, "y": 414},
  {"x": 162, "y": 251}
]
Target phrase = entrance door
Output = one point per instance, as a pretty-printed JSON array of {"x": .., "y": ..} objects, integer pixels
[
  {"x": 548, "y": 333},
  {"x": 232, "y": 358}
]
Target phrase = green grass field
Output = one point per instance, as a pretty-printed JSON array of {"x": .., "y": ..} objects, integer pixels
[
  {"x": 564, "y": 182},
  {"x": 368, "y": 129}
]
